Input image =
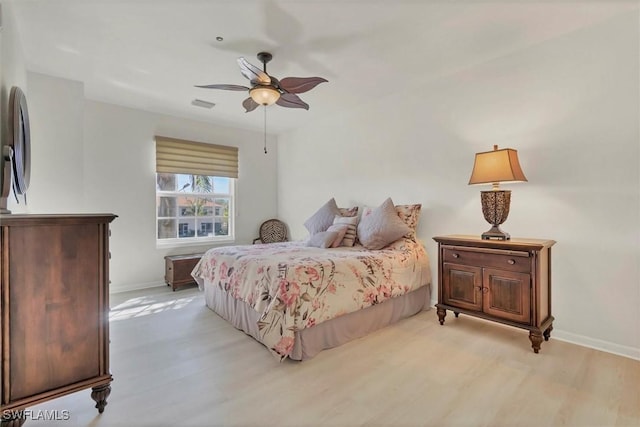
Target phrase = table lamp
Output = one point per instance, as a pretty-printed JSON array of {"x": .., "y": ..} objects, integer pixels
[{"x": 495, "y": 167}]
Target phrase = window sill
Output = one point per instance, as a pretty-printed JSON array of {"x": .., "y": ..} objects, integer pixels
[{"x": 187, "y": 243}]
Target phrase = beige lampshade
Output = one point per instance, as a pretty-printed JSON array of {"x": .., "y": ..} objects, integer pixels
[
  {"x": 264, "y": 95},
  {"x": 496, "y": 166}
]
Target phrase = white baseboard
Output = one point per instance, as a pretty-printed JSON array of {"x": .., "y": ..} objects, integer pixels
[
  {"x": 116, "y": 289},
  {"x": 594, "y": 343},
  {"x": 606, "y": 346}
]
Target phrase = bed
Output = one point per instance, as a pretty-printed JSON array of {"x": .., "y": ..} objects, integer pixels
[{"x": 298, "y": 300}]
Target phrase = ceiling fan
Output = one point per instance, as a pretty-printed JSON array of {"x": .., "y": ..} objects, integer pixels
[{"x": 266, "y": 89}]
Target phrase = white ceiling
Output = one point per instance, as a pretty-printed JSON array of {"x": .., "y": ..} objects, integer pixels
[{"x": 149, "y": 54}]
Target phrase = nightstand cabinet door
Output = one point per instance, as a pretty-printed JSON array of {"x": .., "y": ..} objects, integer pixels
[
  {"x": 507, "y": 295},
  {"x": 462, "y": 286}
]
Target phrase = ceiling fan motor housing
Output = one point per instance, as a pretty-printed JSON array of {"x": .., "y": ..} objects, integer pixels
[{"x": 264, "y": 57}]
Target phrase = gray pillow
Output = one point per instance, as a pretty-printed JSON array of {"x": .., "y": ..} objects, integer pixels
[
  {"x": 381, "y": 226},
  {"x": 323, "y": 218},
  {"x": 323, "y": 239}
]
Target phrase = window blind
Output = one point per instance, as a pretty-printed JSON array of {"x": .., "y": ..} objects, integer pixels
[{"x": 195, "y": 158}]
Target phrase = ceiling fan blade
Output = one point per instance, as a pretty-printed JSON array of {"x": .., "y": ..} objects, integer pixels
[
  {"x": 249, "y": 104},
  {"x": 224, "y": 87},
  {"x": 291, "y": 100},
  {"x": 300, "y": 84},
  {"x": 253, "y": 73}
]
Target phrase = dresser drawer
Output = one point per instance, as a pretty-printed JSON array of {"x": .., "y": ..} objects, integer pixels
[{"x": 505, "y": 260}]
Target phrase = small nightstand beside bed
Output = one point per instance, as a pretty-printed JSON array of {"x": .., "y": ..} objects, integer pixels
[{"x": 298, "y": 300}]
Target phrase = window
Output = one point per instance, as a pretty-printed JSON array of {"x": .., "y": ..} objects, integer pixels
[
  {"x": 195, "y": 190},
  {"x": 194, "y": 207}
]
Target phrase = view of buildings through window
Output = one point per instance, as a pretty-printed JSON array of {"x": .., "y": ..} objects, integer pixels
[{"x": 194, "y": 207}]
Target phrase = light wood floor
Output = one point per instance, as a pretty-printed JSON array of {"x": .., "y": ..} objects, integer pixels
[{"x": 176, "y": 363}]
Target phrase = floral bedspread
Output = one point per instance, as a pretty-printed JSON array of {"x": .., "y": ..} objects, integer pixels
[{"x": 294, "y": 286}]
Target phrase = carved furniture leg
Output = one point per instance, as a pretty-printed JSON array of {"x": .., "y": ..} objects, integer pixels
[
  {"x": 100, "y": 394},
  {"x": 547, "y": 333},
  {"x": 536, "y": 340},
  {"x": 13, "y": 419},
  {"x": 442, "y": 313}
]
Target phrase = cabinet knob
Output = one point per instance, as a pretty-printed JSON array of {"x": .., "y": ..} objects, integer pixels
[
  {"x": 478, "y": 288},
  {"x": 455, "y": 255},
  {"x": 511, "y": 261},
  {"x": 485, "y": 290}
]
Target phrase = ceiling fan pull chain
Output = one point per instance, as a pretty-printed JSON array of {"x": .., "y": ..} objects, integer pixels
[{"x": 265, "y": 129}]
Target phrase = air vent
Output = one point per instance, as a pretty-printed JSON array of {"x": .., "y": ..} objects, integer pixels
[{"x": 203, "y": 104}]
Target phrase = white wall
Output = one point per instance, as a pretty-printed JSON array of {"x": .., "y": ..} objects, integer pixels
[
  {"x": 56, "y": 112},
  {"x": 12, "y": 69},
  {"x": 119, "y": 162},
  {"x": 12, "y": 73},
  {"x": 94, "y": 157},
  {"x": 569, "y": 106}
]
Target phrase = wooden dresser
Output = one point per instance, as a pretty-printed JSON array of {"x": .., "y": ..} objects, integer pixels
[
  {"x": 54, "y": 277},
  {"x": 502, "y": 281}
]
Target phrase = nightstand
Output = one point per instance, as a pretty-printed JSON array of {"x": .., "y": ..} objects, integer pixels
[
  {"x": 503, "y": 281},
  {"x": 178, "y": 268}
]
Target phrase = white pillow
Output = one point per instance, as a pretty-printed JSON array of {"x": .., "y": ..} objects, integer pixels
[
  {"x": 323, "y": 239},
  {"x": 323, "y": 218},
  {"x": 381, "y": 226}
]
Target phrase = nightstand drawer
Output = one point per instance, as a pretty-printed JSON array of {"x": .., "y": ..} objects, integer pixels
[{"x": 519, "y": 261}]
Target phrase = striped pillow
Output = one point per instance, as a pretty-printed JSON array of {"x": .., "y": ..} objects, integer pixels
[
  {"x": 341, "y": 229},
  {"x": 352, "y": 222}
]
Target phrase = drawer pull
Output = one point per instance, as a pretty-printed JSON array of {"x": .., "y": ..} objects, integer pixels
[
  {"x": 511, "y": 261},
  {"x": 455, "y": 255}
]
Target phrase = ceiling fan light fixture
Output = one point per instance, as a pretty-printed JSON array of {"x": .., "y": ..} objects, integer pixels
[{"x": 264, "y": 95}]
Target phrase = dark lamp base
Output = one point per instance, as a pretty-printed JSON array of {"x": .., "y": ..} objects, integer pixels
[
  {"x": 495, "y": 208},
  {"x": 496, "y": 234}
]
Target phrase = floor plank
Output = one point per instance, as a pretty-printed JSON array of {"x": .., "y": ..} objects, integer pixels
[{"x": 176, "y": 363}]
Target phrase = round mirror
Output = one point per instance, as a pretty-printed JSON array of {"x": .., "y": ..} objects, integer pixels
[{"x": 19, "y": 140}]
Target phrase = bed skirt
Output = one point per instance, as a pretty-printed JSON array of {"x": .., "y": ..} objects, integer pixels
[{"x": 328, "y": 334}]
